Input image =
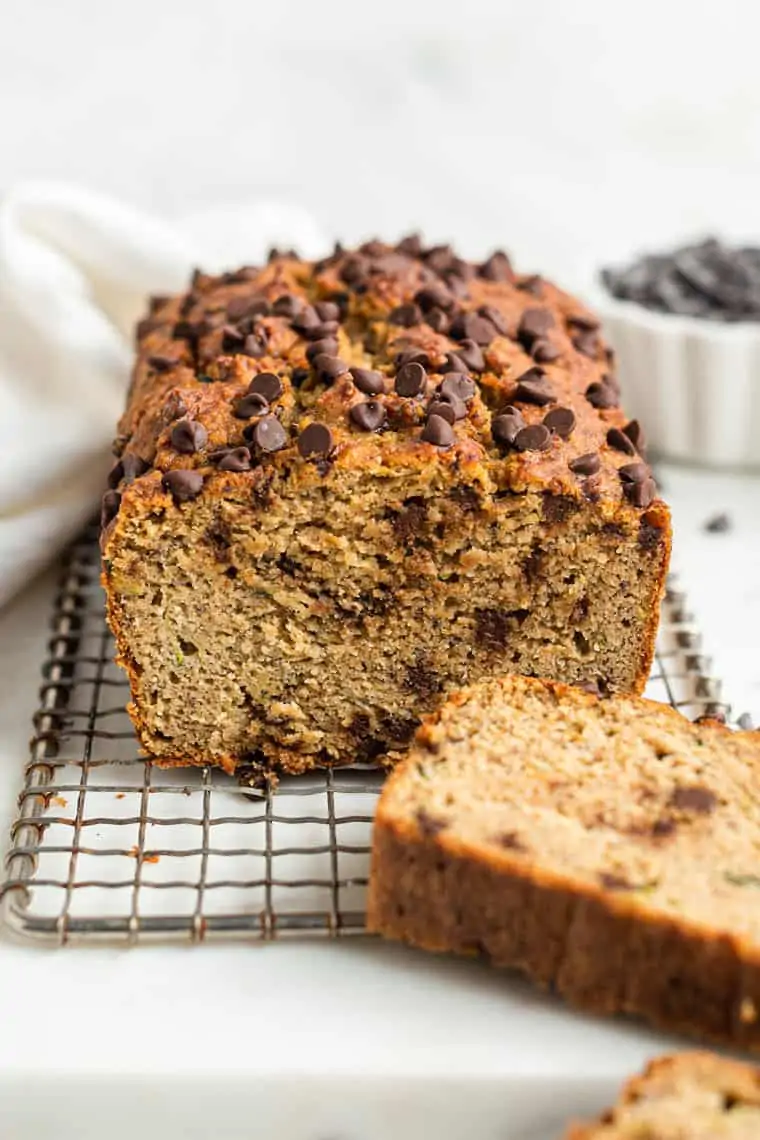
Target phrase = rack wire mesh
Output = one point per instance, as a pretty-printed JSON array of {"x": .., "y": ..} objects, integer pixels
[{"x": 109, "y": 847}]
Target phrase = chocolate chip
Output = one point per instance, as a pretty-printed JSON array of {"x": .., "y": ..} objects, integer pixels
[
  {"x": 162, "y": 363},
  {"x": 354, "y": 270},
  {"x": 109, "y": 508},
  {"x": 305, "y": 319},
  {"x": 535, "y": 437},
  {"x": 437, "y": 320},
  {"x": 496, "y": 317},
  {"x": 173, "y": 408},
  {"x": 532, "y": 284},
  {"x": 368, "y": 382},
  {"x": 587, "y": 343},
  {"x": 299, "y": 376},
  {"x": 429, "y": 825},
  {"x": 316, "y": 439},
  {"x": 434, "y": 296},
  {"x": 561, "y": 421},
  {"x": 328, "y": 346},
  {"x": 635, "y": 433},
  {"x": 602, "y": 394},
  {"x": 620, "y": 441},
  {"x": 328, "y": 368},
  {"x": 369, "y": 415},
  {"x": 320, "y": 331},
  {"x": 543, "y": 351},
  {"x": 288, "y": 305},
  {"x": 718, "y": 524},
  {"x": 412, "y": 356},
  {"x": 182, "y": 485},
  {"x": 586, "y": 321},
  {"x": 458, "y": 384},
  {"x": 411, "y": 245},
  {"x": 695, "y": 798},
  {"x": 650, "y": 536},
  {"x": 410, "y": 380},
  {"x": 472, "y": 326},
  {"x": 239, "y": 307},
  {"x": 504, "y": 427},
  {"x": 640, "y": 494},
  {"x": 496, "y": 268},
  {"x": 266, "y": 384},
  {"x": 188, "y": 436},
  {"x": 587, "y": 464},
  {"x": 234, "y": 459},
  {"x": 438, "y": 431},
  {"x": 245, "y": 407},
  {"x": 534, "y": 323},
  {"x": 533, "y": 388},
  {"x": 157, "y": 301},
  {"x": 448, "y": 405},
  {"x": 128, "y": 468},
  {"x": 269, "y": 435},
  {"x": 254, "y": 346},
  {"x": 232, "y": 338},
  {"x": 405, "y": 315},
  {"x": 328, "y": 310},
  {"x": 468, "y": 357},
  {"x": 615, "y": 882},
  {"x": 634, "y": 472}
]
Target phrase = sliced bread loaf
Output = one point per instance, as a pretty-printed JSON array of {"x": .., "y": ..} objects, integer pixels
[
  {"x": 610, "y": 849},
  {"x": 689, "y": 1096}
]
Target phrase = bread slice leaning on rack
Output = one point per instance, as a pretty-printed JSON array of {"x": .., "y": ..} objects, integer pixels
[
  {"x": 688, "y": 1096},
  {"x": 610, "y": 849}
]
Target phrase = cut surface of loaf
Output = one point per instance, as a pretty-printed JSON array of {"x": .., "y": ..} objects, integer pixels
[
  {"x": 687, "y": 1096},
  {"x": 610, "y": 849},
  {"x": 346, "y": 487}
]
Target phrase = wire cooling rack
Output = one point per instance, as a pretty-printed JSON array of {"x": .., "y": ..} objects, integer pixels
[{"x": 109, "y": 847}]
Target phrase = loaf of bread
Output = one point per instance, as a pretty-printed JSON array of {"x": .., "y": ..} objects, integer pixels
[
  {"x": 610, "y": 849},
  {"x": 345, "y": 488},
  {"x": 689, "y": 1096}
]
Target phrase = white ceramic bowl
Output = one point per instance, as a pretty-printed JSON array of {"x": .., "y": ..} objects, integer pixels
[{"x": 693, "y": 384}]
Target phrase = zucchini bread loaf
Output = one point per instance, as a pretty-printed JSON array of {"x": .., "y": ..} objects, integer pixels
[
  {"x": 689, "y": 1096},
  {"x": 610, "y": 849},
  {"x": 344, "y": 488}
]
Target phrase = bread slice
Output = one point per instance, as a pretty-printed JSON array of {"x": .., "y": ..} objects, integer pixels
[
  {"x": 610, "y": 849},
  {"x": 689, "y": 1096}
]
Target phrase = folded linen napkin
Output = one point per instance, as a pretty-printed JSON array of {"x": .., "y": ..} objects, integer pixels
[{"x": 75, "y": 269}]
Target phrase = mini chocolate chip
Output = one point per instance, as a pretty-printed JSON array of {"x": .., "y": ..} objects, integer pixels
[
  {"x": 640, "y": 494},
  {"x": 543, "y": 351},
  {"x": 370, "y": 415},
  {"x": 504, "y": 427},
  {"x": 587, "y": 464},
  {"x": 410, "y": 380},
  {"x": 469, "y": 357},
  {"x": 620, "y": 441},
  {"x": 405, "y": 315},
  {"x": 634, "y": 472},
  {"x": 635, "y": 433},
  {"x": 316, "y": 439},
  {"x": 471, "y": 326},
  {"x": 615, "y": 882},
  {"x": 368, "y": 382},
  {"x": 587, "y": 343},
  {"x": 266, "y": 384},
  {"x": 328, "y": 368},
  {"x": 434, "y": 296},
  {"x": 235, "y": 459},
  {"x": 438, "y": 431},
  {"x": 245, "y": 407},
  {"x": 535, "y": 437},
  {"x": 458, "y": 384},
  {"x": 534, "y": 323},
  {"x": 109, "y": 508},
  {"x": 328, "y": 346},
  {"x": 182, "y": 485},
  {"x": 496, "y": 268},
  {"x": 162, "y": 363},
  {"x": 269, "y": 434},
  {"x": 327, "y": 310},
  {"x": 288, "y": 305},
  {"x": 533, "y": 388},
  {"x": 560, "y": 420},
  {"x": 437, "y": 320},
  {"x": 695, "y": 797},
  {"x": 454, "y": 405},
  {"x": 496, "y": 317},
  {"x": 718, "y": 524},
  {"x": 188, "y": 436},
  {"x": 602, "y": 395}
]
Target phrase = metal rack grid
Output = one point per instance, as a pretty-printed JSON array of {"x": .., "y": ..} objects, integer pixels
[{"x": 109, "y": 847}]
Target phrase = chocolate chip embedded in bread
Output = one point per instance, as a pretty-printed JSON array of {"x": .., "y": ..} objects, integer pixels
[
  {"x": 314, "y": 440},
  {"x": 620, "y": 441},
  {"x": 504, "y": 427},
  {"x": 587, "y": 464},
  {"x": 254, "y": 346},
  {"x": 232, "y": 338},
  {"x": 182, "y": 485},
  {"x": 368, "y": 382},
  {"x": 245, "y": 407},
  {"x": 188, "y": 436},
  {"x": 411, "y": 245},
  {"x": 328, "y": 310},
  {"x": 438, "y": 431},
  {"x": 496, "y": 317},
  {"x": 109, "y": 508},
  {"x": 320, "y": 331},
  {"x": 269, "y": 435},
  {"x": 561, "y": 421},
  {"x": 585, "y": 321},
  {"x": 428, "y": 824},
  {"x": 535, "y": 437},
  {"x": 370, "y": 415},
  {"x": 410, "y": 380},
  {"x": 694, "y": 798},
  {"x": 266, "y": 384}
]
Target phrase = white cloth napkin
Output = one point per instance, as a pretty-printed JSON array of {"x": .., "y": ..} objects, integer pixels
[{"x": 75, "y": 270}]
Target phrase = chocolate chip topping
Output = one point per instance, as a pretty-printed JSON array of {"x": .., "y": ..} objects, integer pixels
[
  {"x": 635, "y": 433},
  {"x": 438, "y": 320},
  {"x": 587, "y": 464},
  {"x": 620, "y": 441},
  {"x": 128, "y": 468},
  {"x": 328, "y": 310},
  {"x": 328, "y": 368},
  {"x": 325, "y": 347},
  {"x": 369, "y": 415},
  {"x": 602, "y": 394},
  {"x": 173, "y": 408},
  {"x": 266, "y": 384},
  {"x": 316, "y": 439},
  {"x": 240, "y": 307},
  {"x": 368, "y": 382},
  {"x": 188, "y": 436},
  {"x": 412, "y": 356},
  {"x": 411, "y": 245},
  {"x": 448, "y": 405},
  {"x": 410, "y": 380},
  {"x": 634, "y": 472},
  {"x": 435, "y": 296},
  {"x": 251, "y": 405},
  {"x": 543, "y": 351},
  {"x": 534, "y": 323},
  {"x": 288, "y": 305},
  {"x": 504, "y": 427},
  {"x": 182, "y": 485},
  {"x": 535, "y": 437},
  {"x": 497, "y": 267},
  {"x": 405, "y": 315},
  {"x": 587, "y": 343},
  {"x": 561, "y": 421},
  {"x": 233, "y": 459},
  {"x": 638, "y": 485},
  {"x": 473, "y": 326},
  {"x": 109, "y": 508},
  {"x": 533, "y": 388},
  {"x": 467, "y": 358},
  {"x": 438, "y": 431},
  {"x": 268, "y": 434},
  {"x": 458, "y": 384}
]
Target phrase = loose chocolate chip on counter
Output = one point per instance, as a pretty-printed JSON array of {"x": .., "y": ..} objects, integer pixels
[
  {"x": 602, "y": 394},
  {"x": 328, "y": 368},
  {"x": 718, "y": 524},
  {"x": 468, "y": 357},
  {"x": 109, "y": 508},
  {"x": 233, "y": 459},
  {"x": 128, "y": 468},
  {"x": 188, "y": 436},
  {"x": 448, "y": 405},
  {"x": 472, "y": 326},
  {"x": 535, "y": 437},
  {"x": 438, "y": 431},
  {"x": 268, "y": 434},
  {"x": 288, "y": 305},
  {"x": 182, "y": 485},
  {"x": 533, "y": 388},
  {"x": 504, "y": 427},
  {"x": 267, "y": 385},
  {"x": 534, "y": 323},
  {"x": 561, "y": 421},
  {"x": 586, "y": 342},
  {"x": 315, "y": 440},
  {"x": 410, "y": 380},
  {"x": 620, "y": 441},
  {"x": 635, "y": 433},
  {"x": 369, "y": 415},
  {"x": 405, "y": 315},
  {"x": 587, "y": 464},
  {"x": 162, "y": 363},
  {"x": 497, "y": 267},
  {"x": 328, "y": 347},
  {"x": 458, "y": 384},
  {"x": 368, "y": 382},
  {"x": 543, "y": 351},
  {"x": 245, "y": 407}
]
